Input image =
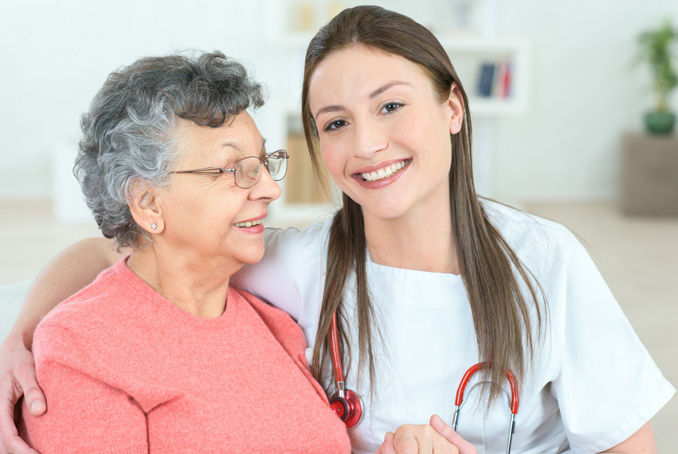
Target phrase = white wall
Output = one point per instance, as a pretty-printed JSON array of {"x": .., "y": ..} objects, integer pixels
[
  {"x": 585, "y": 92},
  {"x": 56, "y": 55}
]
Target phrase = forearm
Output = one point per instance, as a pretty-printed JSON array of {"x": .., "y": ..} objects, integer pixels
[
  {"x": 641, "y": 442},
  {"x": 67, "y": 273}
]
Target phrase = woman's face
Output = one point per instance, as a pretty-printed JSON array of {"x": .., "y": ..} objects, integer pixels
[
  {"x": 384, "y": 132},
  {"x": 204, "y": 215}
]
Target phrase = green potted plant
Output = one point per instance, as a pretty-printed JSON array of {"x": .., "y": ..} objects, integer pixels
[{"x": 657, "y": 49}]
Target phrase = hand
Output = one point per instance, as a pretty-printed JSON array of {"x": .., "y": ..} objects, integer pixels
[
  {"x": 450, "y": 435},
  {"x": 416, "y": 439},
  {"x": 17, "y": 377},
  {"x": 436, "y": 438}
]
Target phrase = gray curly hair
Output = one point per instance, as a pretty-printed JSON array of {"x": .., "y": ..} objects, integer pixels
[{"x": 128, "y": 128}]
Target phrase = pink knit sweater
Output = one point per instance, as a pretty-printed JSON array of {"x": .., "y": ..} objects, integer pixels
[{"x": 125, "y": 371}]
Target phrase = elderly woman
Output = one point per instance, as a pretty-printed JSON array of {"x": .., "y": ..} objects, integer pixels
[{"x": 159, "y": 354}]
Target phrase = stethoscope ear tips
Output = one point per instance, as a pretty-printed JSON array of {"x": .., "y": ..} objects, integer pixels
[{"x": 348, "y": 408}]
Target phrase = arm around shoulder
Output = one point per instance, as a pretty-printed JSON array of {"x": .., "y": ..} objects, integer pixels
[
  {"x": 641, "y": 442},
  {"x": 67, "y": 273}
]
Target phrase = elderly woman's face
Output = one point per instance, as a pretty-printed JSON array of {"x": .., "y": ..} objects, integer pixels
[{"x": 208, "y": 216}]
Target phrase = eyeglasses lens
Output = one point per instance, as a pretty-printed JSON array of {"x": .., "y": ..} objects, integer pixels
[
  {"x": 276, "y": 166},
  {"x": 247, "y": 170}
]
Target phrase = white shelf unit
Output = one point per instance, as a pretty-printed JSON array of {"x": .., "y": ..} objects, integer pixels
[{"x": 467, "y": 55}]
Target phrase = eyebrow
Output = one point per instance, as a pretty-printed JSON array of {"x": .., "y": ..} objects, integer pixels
[
  {"x": 237, "y": 148},
  {"x": 372, "y": 95},
  {"x": 385, "y": 87},
  {"x": 334, "y": 108}
]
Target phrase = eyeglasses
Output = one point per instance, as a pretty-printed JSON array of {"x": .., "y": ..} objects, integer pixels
[{"x": 246, "y": 171}]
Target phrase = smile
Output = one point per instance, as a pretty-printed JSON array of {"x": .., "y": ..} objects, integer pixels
[
  {"x": 384, "y": 172},
  {"x": 247, "y": 224}
]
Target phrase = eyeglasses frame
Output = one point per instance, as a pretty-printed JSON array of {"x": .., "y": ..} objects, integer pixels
[{"x": 220, "y": 170}]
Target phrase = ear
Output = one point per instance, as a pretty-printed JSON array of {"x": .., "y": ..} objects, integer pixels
[
  {"x": 455, "y": 103},
  {"x": 144, "y": 205}
]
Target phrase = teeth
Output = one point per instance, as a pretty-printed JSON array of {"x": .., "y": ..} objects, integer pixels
[
  {"x": 383, "y": 173},
  {"x": 247, "y": 224}
]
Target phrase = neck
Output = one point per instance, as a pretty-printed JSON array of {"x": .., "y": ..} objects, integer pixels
[
  {"x": 422, "y": 239},
  {"x": 196, "y": 285}
]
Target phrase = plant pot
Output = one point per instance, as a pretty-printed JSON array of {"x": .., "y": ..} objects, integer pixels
[{"x": 660, "y": 123}]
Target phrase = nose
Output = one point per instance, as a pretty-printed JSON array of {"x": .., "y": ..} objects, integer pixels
[
  {"x": 266, "y": 188},
  {"x": 369, "y": 138}
]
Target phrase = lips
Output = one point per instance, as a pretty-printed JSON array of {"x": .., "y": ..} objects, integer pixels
[
  {"x": 381, "y": 171},
  {"x": 250, "y": 223},
  {"x": 247, "y": 224},
  {"x": 384, "y": 172}
]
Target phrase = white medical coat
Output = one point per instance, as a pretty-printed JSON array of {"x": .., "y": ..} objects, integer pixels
[{"x": 592, "y": 383}]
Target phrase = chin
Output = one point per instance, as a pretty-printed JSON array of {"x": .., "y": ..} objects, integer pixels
[
  {"x": 254, "y": 256},
  {"x": 385, "y": 210}
]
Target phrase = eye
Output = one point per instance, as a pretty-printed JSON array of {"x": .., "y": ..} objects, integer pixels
[
  {"x": 334, "y": 125},
  {"x": 391, "y": 106}
]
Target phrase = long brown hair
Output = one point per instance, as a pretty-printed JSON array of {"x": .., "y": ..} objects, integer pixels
[{"x": 501, "y": 313}]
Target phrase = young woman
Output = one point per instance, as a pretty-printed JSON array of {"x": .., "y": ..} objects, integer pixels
[{"x": 426, "y": 280}]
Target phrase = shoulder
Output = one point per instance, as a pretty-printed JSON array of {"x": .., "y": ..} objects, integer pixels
[
  {"x": 551, "y": 254},
  {"x": 291, "y": 269},
  {"x": 292, "y": 247},
  {"x": 310, "y": 239},
  {"x": 278, "y": 322},
  {"x": 261, "y": 307},
  {"x": 89, "y": 320},
  {"x": 79, "y": 309},
  {"x": 529, "y": 235}
]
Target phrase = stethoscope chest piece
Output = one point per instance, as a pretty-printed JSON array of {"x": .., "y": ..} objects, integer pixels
[{"x": 348, "y": 408}]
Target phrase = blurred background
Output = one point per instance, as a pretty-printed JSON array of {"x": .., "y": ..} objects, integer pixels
[{"x": 557, "y": 102}]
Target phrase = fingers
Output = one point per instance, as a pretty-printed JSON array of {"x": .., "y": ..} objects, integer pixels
[
  {"x": 9, "y": 395},
  {"x": 450, "y": 435},
  {"x": 387, "y": 446},
  {"x": 7, "y": 429},
  {"x": 17, "y": 446},
  {"x": 10, "y": 443},
  {"x": 436, "y": 438},
  {"x": 35, "y": 399},
  {"x": 17, "y": 374},
  {"x": 407, "y": 440}
]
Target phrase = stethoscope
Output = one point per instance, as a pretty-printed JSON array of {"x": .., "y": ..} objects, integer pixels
[
  {"x": 515, "y": 400},
  {"x": 348, "y": 405}
]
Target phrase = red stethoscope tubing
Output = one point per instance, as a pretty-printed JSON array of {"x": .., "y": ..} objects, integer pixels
[
  {"x": 346, "y": 404},
  {"x": 334, "y": 346},
  {"x": 515, "y": 398}
]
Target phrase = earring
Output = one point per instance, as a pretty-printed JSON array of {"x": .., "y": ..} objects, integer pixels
[
  {"x": 154, "y": 226},
  {"x": 458, "y": 124}
]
